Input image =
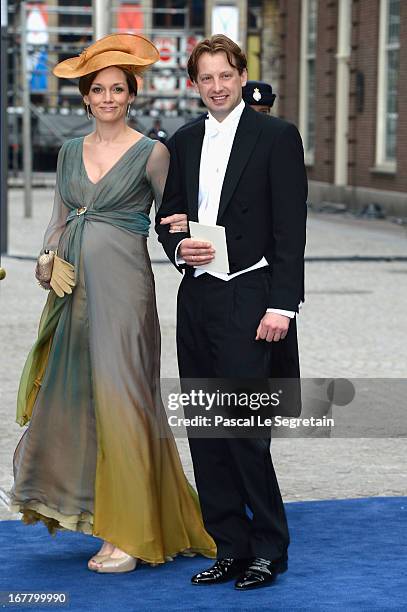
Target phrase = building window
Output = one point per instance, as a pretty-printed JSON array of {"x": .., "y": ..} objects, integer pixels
[
  {"x": 254, "y": 15},
  {"x": 388, "y": 62},
  {"x": 191, "y": 14},
  {"x": 307, "y": 76}
]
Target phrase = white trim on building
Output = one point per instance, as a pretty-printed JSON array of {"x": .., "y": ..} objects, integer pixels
[
  {"x": 386, "y": 112},
  {"x": 307, "y": 116},
  {"x": 342, "y": 91}
]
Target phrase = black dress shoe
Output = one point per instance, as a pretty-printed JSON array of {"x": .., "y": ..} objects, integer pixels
[
  {"x": 261, "y": 573},
  {"x": 222, "y": 571}
]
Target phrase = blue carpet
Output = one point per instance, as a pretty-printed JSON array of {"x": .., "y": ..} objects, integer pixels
[{"x": 345, "y": 555}]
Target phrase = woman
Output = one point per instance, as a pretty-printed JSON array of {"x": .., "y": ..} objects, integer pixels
[{"x": 98, "y": 456}]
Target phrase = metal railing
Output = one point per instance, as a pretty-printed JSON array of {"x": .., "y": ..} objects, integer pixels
[{"x": 19, "y": 35}]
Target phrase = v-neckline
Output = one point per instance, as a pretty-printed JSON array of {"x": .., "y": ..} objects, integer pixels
[{"x": 112, "y": 167}]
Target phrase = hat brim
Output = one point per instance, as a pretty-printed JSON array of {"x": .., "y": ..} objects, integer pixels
[{"x": 75, "y": 67}]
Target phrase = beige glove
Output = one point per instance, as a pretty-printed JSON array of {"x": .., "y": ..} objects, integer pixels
[{"x": 63, "y": 276}]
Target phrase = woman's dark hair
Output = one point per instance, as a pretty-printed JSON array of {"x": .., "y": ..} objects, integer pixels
[
  {"x": 85, "y": 82},
  {"x": 219, "y": 43}
]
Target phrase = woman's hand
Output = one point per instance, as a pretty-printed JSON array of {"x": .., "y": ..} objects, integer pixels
[
  {"x": 177, "y": 223},
  {"x": 42, "y": 283}
]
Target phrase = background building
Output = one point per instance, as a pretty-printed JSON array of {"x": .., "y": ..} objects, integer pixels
[
  {"x": 335, "y": 65},
  {"x": 341, "y": 67}
]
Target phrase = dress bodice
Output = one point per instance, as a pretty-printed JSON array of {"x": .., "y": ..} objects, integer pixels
[
  {"x": 123, "y": 196},
  {"x": 125, "y": 187}
]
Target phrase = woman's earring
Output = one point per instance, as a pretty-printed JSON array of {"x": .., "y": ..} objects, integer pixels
[
  {"x": 128, "y": 111},
  {"x": 87, "y": 112}
]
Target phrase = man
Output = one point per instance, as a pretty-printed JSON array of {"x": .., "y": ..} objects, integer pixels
[
  {"x": 244, "y": 171},
  {"x": 259, "y": 96}
]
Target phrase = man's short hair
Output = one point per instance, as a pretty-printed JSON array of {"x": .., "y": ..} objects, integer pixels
[{"x": 219, "y": 43}]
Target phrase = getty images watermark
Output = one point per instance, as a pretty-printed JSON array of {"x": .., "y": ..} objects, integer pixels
[
  {"x": 219, "y": 407},
  {"x": 306, "y": 408}
]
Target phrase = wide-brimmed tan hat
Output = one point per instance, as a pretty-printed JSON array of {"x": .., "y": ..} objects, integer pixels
[{"x": 131, "y": 50}]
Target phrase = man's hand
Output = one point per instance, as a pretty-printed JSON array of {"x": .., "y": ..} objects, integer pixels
[
  {"x": 273, "y": 327},
  {"x": 196, "y": 252},
  {"x": 177, "y": 222}
]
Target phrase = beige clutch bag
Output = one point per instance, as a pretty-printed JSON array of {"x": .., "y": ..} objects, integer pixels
[{"x": 55, "y": 272}]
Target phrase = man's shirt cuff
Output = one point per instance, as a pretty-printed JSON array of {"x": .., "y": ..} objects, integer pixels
[
  {"x": 178, "y": 260},
  {"x": 285, "y": 313}
]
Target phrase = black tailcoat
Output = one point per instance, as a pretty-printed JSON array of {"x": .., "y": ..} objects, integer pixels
[{"x": 262, "y": 207}]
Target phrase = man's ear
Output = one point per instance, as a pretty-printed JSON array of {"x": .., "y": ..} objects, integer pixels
[
  {"x": 244, "y": 77},
  {"x": 195, "y": 86}
]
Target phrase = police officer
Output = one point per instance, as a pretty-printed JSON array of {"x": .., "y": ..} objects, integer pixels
[{"x": 259, "y": 96}]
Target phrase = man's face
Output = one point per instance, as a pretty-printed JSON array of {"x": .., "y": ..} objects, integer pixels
[
  {"x": 261, "y": 108},
  {"x": 219, "y": 84}
]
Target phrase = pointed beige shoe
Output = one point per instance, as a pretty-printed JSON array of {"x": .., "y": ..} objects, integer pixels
[{"x": 126, "y": 563}]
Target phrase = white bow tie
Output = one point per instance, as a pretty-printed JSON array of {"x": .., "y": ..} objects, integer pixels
[{"x": 211, "y": 129}]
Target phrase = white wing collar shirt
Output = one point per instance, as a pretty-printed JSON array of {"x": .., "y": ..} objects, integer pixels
[{"x": 216, "y": 147}]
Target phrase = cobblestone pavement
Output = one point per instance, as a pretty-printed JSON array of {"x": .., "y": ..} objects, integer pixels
[{"x": 352, "y": 325}]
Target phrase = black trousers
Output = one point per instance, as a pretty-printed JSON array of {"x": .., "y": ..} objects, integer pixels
[{"x": 216, "y": 329}]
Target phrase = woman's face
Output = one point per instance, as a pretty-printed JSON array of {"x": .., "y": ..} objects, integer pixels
[{"x": 109, "y": 95}]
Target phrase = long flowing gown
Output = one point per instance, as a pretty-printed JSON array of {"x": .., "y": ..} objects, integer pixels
[{"x": 98, "y": 455}]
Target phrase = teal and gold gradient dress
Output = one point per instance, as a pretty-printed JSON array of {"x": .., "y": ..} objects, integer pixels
[{"x": 98, "y": 455}]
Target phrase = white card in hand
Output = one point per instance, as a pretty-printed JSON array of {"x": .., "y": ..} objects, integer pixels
[{"x": 215, "y": 234}]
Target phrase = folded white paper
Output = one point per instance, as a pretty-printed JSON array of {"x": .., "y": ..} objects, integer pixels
[{"x": 216, "y": 235}]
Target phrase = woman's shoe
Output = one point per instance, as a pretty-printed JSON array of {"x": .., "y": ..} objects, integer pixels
[
  {"x": 96, "y": 559},
  {"x": 127, "y": 563},
  {"x": 103, "y": 554}
]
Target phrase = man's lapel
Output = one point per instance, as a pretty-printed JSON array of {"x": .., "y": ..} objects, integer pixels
[
  {"x": 192, "y": 165},
  {"x": 245, "y": 139}
]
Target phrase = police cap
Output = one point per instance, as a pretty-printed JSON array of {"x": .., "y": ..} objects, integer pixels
[{"x": 258, "y": 93}]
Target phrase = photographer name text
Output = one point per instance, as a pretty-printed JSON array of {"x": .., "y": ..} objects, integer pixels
[{"x": 254, "y": 420}]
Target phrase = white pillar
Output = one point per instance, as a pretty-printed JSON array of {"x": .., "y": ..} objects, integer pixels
[
  {"x": 342, "y": 92},
  {"x": 4, "y": 136},
  {"x": 26, "y": 103},
  {"x": 101, "y": 18}
]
